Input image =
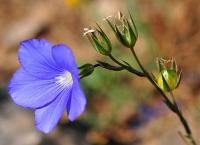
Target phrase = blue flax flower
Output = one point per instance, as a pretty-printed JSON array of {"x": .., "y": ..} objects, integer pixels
[{"x": 47, "y": 82}]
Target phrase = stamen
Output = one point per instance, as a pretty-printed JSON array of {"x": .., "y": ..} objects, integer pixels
[{"x": 65, "y": 79}]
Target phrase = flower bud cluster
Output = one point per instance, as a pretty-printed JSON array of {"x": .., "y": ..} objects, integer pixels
[{"x": 123, "y": 28}]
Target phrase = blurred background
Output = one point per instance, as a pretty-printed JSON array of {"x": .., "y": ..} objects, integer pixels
[{"x": 122, "y": 109}]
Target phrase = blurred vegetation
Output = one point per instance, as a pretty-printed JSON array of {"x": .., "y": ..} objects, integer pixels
[{"x": 121, "y": 108}]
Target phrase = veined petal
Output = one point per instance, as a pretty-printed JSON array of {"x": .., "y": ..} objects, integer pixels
[
  {"x": 46, "y": 118},
  {"x": 77, "y": 101},
  {"x": 35, "y": 56},
  {"x": 31, "y": 92},
  {"x": 64, "y": 58}
]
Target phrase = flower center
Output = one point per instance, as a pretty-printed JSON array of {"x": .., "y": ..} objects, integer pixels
[{"x": 65, "y": 79}]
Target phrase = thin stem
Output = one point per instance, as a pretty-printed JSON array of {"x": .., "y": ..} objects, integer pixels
[
  {"x": 139, "y": 63},
  {"x": 183, "y": 121},
  {"x": 183, "y": 138},
  {"x": 173, "y": 106},
  {"x": 96, "y": 65},
  {"x": 113, "y": 68},
  {"x": 108, "y": 66},
  {"x": 173, "y": 98},
  {"x": 116, "y": 61},
  {"x": 166, "y": 100},
  {"x": 129, "y": 68}
]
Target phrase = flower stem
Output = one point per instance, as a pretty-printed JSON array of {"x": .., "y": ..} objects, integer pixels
[
  {"x": 148, "y": 76},
  {"x": 173, "y": 106},
  {"x": 130, "y": 69},
  {"x": 183, "y": 138},
  {"x": 183, "y": 121}
]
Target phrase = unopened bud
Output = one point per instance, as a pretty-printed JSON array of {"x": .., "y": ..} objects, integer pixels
[
  {"x": 86, "y": 70},
  {"x": 124, "y": 30},
  {"x": 168, "y": 78}
]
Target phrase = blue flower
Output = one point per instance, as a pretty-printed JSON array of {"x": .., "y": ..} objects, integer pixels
[{"x": 48, "y": 82}]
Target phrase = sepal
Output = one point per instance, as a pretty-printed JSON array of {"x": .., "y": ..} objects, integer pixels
[
  {"x": 179, "y": 79},
  {"x": 86, "y": 70},
  {"x": 174, "y": 65},
  {"x": 99, "y": 40},
  {"x": 124, "y": 30}
]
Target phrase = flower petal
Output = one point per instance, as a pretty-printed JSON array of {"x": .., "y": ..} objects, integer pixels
[
  {"x": 31, "y": 92},
  {"x": 64, "y": 57},
  {"x": 77, "y": 101},
  {"x": 46, "y": 118},
  {"x": 35, "y": 56}
]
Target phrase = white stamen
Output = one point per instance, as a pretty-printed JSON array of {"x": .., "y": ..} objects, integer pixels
[{"x": 64, "y": 79}]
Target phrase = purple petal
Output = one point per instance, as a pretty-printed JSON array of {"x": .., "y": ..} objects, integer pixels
[
  {"x": 77, "y": 101},
  {"x": 47, "y": 118},
  {"x": 35, "y": 56},
  {"x": 64, "y": 57},
  {"x": 31, "y": 92}
]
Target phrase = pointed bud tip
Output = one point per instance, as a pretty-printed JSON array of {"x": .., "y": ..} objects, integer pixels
[
  {"x": 87, "y": 31},
  {"x": 120, "y": 15}
]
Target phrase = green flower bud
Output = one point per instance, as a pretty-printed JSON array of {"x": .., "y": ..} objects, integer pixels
[
  {"x": 168, "y": 79},
  {"x": 99, "y": 40},
  {"x": 86, "y": 70},
  {"x": 124, "y": 30}
]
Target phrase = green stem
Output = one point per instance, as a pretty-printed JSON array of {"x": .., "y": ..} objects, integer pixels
[
  {"x": 135, "y": 56},
  {"x": 183, "y": 138},
  {"x": 130, "y": 69},
  {"x": 148, "y": 76},
  {"x": 183, "y": 121},
  {"x": 173, "y": 106}
]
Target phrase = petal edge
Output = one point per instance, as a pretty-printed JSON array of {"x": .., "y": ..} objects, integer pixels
[{"x": 76, "y": 103}]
